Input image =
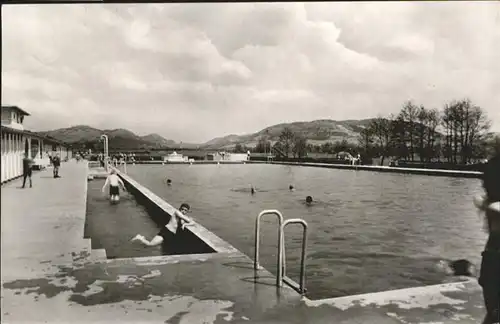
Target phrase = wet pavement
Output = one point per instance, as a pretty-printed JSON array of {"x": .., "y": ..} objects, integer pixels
[{"x": 48, "y": 276}]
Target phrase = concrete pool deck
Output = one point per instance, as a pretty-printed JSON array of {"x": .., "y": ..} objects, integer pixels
[{"x": 49, "y": 274}]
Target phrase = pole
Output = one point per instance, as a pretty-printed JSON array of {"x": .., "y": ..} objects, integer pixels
[{"x": 105, "y": 137}]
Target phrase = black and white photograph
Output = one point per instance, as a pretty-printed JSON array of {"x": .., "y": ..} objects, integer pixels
[{"x": 250, "y": 162}]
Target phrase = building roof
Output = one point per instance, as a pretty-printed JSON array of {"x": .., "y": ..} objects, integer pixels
[
  {"x": 16, "y": 108},
  {"x": 49, "y": 139}
]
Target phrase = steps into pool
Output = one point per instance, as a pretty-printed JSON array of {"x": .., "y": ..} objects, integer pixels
[{"x": 98, "y": 255}]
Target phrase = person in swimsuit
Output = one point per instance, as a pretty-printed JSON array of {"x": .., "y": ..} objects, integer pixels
[
  {"x": 114, "y": 182},
  {"x": 489, "y": 277},
  {"x": 178, "y": 221}
]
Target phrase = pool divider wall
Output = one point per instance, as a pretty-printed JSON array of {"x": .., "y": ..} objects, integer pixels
[
  {"x": 374, "y": 168},
  {"x": 87, "y": 240},
  {"x": 195, "y": 238}
]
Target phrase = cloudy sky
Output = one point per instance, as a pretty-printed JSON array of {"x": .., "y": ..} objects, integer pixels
[{"x": 191, "y": 72}]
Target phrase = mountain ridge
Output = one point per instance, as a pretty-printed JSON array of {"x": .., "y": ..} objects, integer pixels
[
  {"x": 316, "y": 131},
  {"x": 84, "y": 134}
]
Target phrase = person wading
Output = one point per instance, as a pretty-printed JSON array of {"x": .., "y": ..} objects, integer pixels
[
  {"x": 489, "y": 277},
  {"x": 114, "y": 182}
]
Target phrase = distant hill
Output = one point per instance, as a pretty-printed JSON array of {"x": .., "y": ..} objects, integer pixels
[
  {"x": 74, "y": 134},
  {"x": 118, "y": 138},
  {"x": 317, "y": 132},
  {"x": 159, "y": 140}
]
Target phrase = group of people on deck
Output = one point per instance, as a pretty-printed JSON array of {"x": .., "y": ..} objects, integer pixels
[{"x": 28, "y": 164}]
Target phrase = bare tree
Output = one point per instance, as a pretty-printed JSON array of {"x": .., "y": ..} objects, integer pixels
[
  {"x": 299, "y": 148},
  {"x": 432, "y": 124},
  {"x": 409, "y": 115},
  {"x": 365, "y": 141},
  {"x": 286, "y": 140},
  {"x": 398, "y": 138},
  {"x": 447, "y": 121},
  {"x": 277, "y": 149},
  {"x": 476, "y": 127},
  {"x": 420, "y": 132},
  {"x": 466, "y": 126},
  {"x": 382, "y": 131},
  {"x": 263, "y": 146}
]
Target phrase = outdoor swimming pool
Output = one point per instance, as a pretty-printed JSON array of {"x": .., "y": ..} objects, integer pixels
[{"x": 368, "y": 231}]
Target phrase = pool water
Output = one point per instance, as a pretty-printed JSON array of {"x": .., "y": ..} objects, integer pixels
[
  {"x": 368, "y": 231},
  {"x": 111, "y": 226}
]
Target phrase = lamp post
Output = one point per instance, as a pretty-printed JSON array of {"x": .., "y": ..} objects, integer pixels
[{"x": 105, "y": 138}]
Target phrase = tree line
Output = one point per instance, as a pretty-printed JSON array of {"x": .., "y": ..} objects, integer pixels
[{"x": 457, "y": 134}]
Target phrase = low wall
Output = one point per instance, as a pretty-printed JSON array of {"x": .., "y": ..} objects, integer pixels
[
  {"x": 194, "y": 239},
  {"x": 303, "y": 160},
  {"x": 440, "y": 173},
  {"x": 188, "y": 162},
  {"x": 478, "y": 167}
]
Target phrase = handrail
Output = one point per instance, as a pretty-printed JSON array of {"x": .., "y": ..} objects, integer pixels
[
  {"x": 280, "y": 243},
  {"x": 303, "y": 256}
]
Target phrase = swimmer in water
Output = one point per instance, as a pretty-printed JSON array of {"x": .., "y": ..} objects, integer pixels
[
  {"x": 252, "y": 190},
  {"x": 169, "y": 182},
  {"x": 461, "y": 267},
  {"x": 309, "y": 200},
  {"x": 169, "y": 232},
  {"x": 114, "y": 182},
  {"x": 291, "y": 188}
]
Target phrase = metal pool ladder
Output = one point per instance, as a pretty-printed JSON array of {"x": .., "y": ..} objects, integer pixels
[{"x": 281, "y": 272}]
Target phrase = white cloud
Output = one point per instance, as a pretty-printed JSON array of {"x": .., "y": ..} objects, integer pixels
[{"x": 192, "y": 72}]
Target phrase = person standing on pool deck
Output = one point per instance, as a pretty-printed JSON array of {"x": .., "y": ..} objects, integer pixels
[
  {"x": 27, "y": 169},
  {"x": 114, "y": 181},
  {"x": 489, "y": 277},
  {"x": 56, "y": 161},
  {"x": 168, "y": 233}
]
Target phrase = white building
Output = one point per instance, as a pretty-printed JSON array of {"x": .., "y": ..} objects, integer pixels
[
  {"x": 16, "y": 141},
  {"x": 174, "y": 157},
  {"x": 225, "y": 156},
  {"x": 237, "y": 157}
]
